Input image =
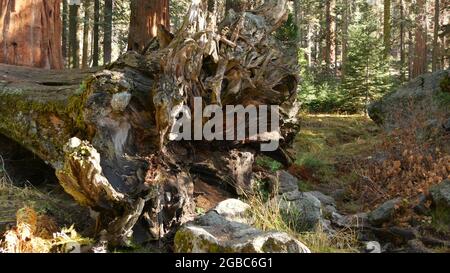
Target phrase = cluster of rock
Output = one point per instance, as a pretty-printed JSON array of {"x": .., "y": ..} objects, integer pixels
[
  {"x": 227, "y": 229},
  {"x": 229, "y": 226},
  {"x": 421, "y": 105}
]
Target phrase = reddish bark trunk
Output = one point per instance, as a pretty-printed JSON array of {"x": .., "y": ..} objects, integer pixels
[
  {"x": 420, "y": 50},
  {"x": 30, "y": 33},
  {"x": 146, "y": 15},
  {"x": 330, "y": 54}
]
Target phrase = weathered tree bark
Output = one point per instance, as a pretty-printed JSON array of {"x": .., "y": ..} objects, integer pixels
[
  {"x": 65, "y": 31},
  {"x": 420, "y": 50},
  {"x": 387, "y": 27},
  {"x": 436, "y": 48},
  {"x": 345, "y": 25},
  {"x": 298, "y": 20},
  {"x": 329, "y": 34},
  {"x": 96, "y": 34},
  {"x": 30, "y": 33},
  {"x": 107, "y": 31},
  {"x": 74, "y": 47},
  {"x": 106, "y": 132},
  {"x": 444, "y": 35},
  {"x": 410, "y": 55},
  {"x": 146, "y": 16},
  {"x": 402, "y": 41},
  {"x": 86, "y": 30}
]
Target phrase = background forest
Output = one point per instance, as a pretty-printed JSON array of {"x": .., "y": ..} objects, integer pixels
[{"x": 350, "y": 52}]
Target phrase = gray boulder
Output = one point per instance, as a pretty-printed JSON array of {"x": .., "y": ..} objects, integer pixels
[
  {"x": 216, "y": 233},
  {"x": 303, "y": 211},
  {"x": 440, "y": 195},
  {"x": 384, "y": 213},
  {"x": 286, "y": 182},
  {"x": 420, "y": 97},
  {"x": 372, "y": 247},
  {"x": 328, "y": 203}
]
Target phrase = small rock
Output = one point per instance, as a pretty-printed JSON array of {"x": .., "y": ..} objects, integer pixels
[
  {"x": 384, "y": 213},
  {"x": 416, "y": 246},
  {"x": 286, "y": 182},
  {"x": 302, "y": 210},
  {"x": 446, "y": 125},
  {"x": 234, "y": 210},
  {"x": 72, "y": 247},
  {"x": 388, "y": 247},
  {"x": 421, "y": 207},
  {"x": 337, "y": 219},
  {"x": 350, "y": 221},
  {"x": 74, "y": 143},
  {"x": 325, "y": 199},
  {"x": 120, "y": 101},
  {"x": 440, "y": 195},
  {"x": 326, "y": 227},
  {"x": 124, "y": 84},
  {"x": 329, "y": 210},
  {"x": 372, "y": 247}
]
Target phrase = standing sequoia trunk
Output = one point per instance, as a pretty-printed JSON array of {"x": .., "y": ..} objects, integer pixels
[
  {"x": 107, "y": 134},
  {"x": 107, "y": 31},
  {"x": 86, "y": 30},
  {"x": 96, "y": 34},
  {"x": 73, "y": 36},
  {"x": 387, "y": 28},
  {"x": 329, "y": 34},
  {"x": 30, "y": 33},
  {"x": 65, "y": 31},
  {"x": 345, "y": 25},
  {"x": 436, "y": 49},
  {"x": 420, "y": 47},
  {"x": 146, "y": 16},
  {"x": 402, "y": 41}
]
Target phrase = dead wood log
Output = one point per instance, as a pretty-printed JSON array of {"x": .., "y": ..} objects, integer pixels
[{"x": 106, "y": 132}]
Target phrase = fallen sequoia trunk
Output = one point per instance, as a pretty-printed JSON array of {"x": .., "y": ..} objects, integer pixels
[{"x": 106, "y": 132}]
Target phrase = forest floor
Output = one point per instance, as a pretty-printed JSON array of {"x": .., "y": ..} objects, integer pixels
[
  {"x": 327, "y": 148},
  {"x": 352, "y": 159},
  {"x": 333, "y": 154},
  {"x": 325, "y": 151}
]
